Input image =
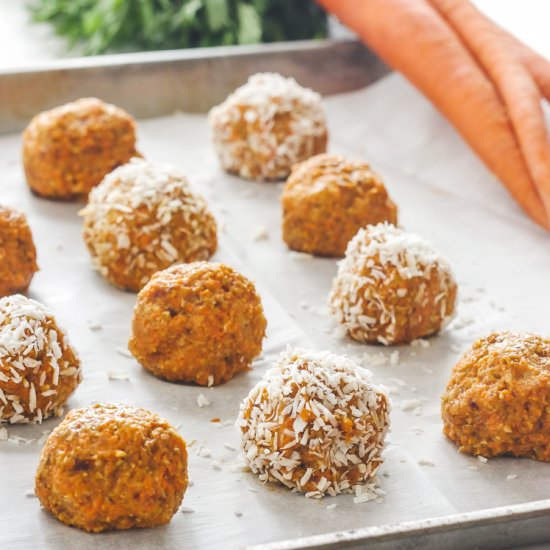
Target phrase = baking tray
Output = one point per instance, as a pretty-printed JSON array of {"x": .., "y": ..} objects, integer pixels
[
  {"x": 500, "y": 258},
  {"x": 155, "y": 83}
]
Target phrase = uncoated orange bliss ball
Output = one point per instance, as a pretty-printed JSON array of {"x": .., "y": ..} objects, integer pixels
[
  {"x": 112, "y": 467},
  {"x": 39, "y": 369},
  {"x": 497, "y": 401},
  {"x": 142, "y": 218},
  {"x": 68, "y": 150},
  {"x": 315, "y": 423},
  {"x": 266, "y": 126},
  {"x": 327, "y": 199},
  {"x": 201, "y": 322},
  {"x": 392, "y": 287},
  {"x": 17, "y": 252}
]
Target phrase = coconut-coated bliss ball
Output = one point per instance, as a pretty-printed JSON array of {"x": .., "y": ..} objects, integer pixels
[
  {"x": 112, "y": 467},
  {"x": 39, "y": 369},
  {"x": 315, "y": 423},
  {"x": 142, "y": 218},
  {"x": 266, "y": 126},
  {"x": 327, "y": 199},
  {"x": 201, "y": 322},
  {"x": 392, "y": 287},
  {"x": 68, "y": 150}
]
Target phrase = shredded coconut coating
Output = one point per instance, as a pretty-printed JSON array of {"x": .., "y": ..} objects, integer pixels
[
  {"x": 266, "y": 126},
  {"x": 315, "y": 423},
  {"x": 112, "y": 467},
  {"x": 69, "y": 149},
  {"x": 327, "y": 199},
  {"x": 392, "y": 287},
  {"x": 143, "y": 218},
  {"x": 201, "y": 322},
  {"x": 497, "y": 401},
  {"x": 39, "y": 369},
  {"x": 17, "y": 252}
]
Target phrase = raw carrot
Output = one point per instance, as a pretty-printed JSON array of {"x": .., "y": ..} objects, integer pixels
[
  {"x": 413, "y": 38},
  {"x": 514, "y": 83},
  {"x": 537, "y": 65}
]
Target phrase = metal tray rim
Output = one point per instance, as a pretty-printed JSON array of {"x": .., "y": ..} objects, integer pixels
[
  {"x": 409, "y": 529},
  {"x": 180, "y": 80},
  {"x": 174, "y": 55}
]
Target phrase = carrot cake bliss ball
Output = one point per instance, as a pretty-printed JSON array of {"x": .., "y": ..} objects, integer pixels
[
  {"x": 498, "y": 397},
  {"x": 142, "y": 218},
  {"x": 327, "y": 199},
  {"x": 315, "y": 423},
  {"x": 392, "y": 287},
  {"x": 39, "y": 369},
  {"x": 201, "y": 322},
  {"x": 17, "y": 252},
  {"x": 68, "y": 150},
  {"x": 266, "y": 126},
  {"x": 112, "y": 467}
]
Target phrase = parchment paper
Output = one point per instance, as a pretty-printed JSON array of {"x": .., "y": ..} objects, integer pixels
[{"x": 501, "y": 261}]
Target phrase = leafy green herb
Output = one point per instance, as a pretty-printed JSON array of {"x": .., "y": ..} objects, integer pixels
[{"x": 100, "y": 26}]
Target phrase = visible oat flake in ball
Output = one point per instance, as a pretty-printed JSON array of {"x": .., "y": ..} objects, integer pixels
[
  {"x": 201, "y": 322},
  {"x": 327, "y": 199},
  {"x": 315, "y": 423},
  {"x": 112, "y": 467},
  {"x": 17, "y": 252},
  {"x": 497, "y": 401},
  {"x": 266, "y": 126},
  {"x": 142, "y": 218},
  {"x": 392, "y": 287},
  {"x": 39, "y": 369},
  {"x": 69, "y": 149}
]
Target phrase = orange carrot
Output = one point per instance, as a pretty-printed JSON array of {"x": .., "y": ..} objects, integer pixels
[
  {"x": 411, "y": 36},
  {"x": 514, "y": 83},
  {"x": 536, "y": 64}
]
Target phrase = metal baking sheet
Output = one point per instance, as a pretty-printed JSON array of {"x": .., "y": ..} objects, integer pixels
[
  {"x": 155, "y": 83},
  {"x": 501, "y": 261}
]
